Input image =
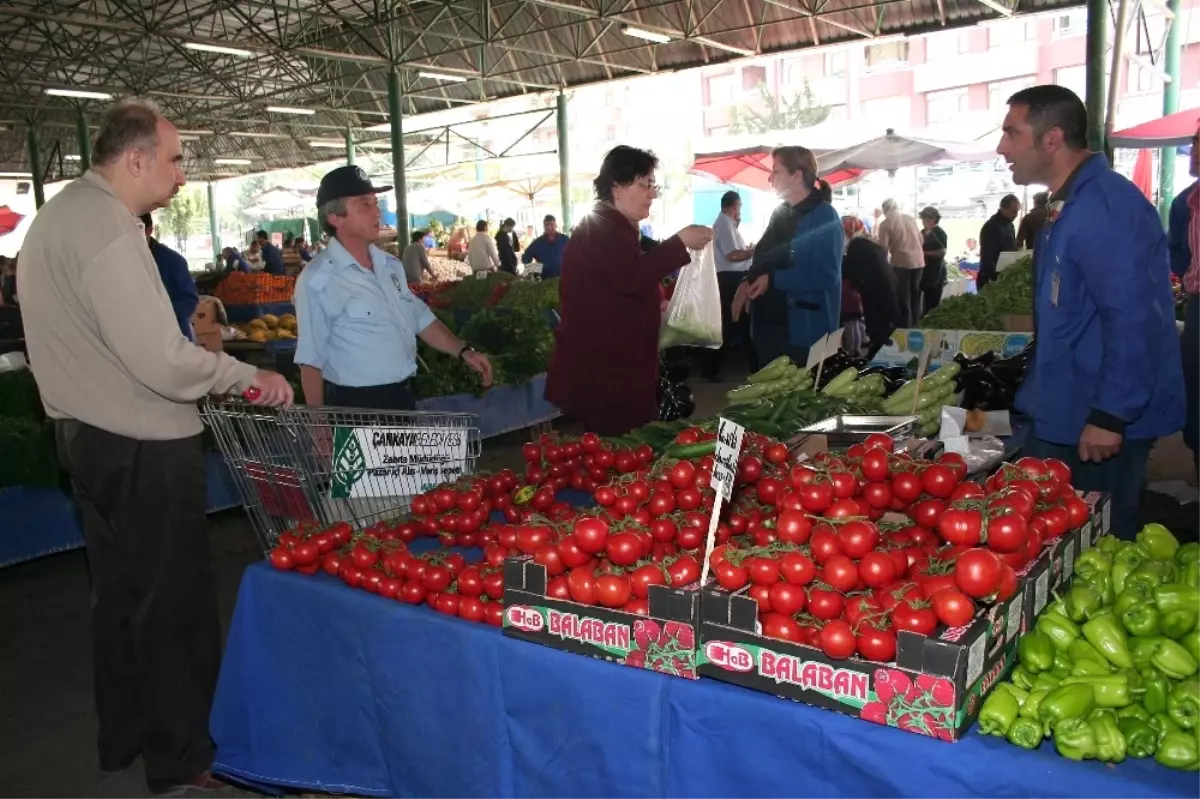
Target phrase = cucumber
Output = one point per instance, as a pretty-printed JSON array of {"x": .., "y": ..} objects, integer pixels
[
  {"x": 944, "y": 373},
  {"x": 689, "y": 451},
  {"x": 844, "y": 378},
  {"x": 771, "y": 371}
]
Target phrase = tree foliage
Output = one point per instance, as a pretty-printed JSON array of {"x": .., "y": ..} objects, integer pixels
[
  {"x": 774, "y": 112},
  {"x": 182, "y": 217}
]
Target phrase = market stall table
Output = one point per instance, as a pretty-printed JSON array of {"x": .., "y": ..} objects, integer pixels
[{"x": 328, "y": 688}]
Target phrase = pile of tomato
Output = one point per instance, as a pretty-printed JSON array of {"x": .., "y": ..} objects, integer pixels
[{"x": 857, "y": 548}]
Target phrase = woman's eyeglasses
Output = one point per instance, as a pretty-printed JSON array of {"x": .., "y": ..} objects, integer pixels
[{"x": 648, "y": 185}]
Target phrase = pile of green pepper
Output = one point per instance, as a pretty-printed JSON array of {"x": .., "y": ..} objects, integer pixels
[{"x": 1109, "y": 670}]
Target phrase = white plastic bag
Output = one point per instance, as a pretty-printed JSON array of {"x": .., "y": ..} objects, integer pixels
[{"x": 693, "y": 316}]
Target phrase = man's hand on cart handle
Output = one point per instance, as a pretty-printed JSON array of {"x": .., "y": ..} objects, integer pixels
[
  {"x": 269, "y": 388},
  {"x": 480, "y": 363}
]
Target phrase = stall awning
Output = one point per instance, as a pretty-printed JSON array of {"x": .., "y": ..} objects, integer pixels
[{"x": 1168, "y": 131}]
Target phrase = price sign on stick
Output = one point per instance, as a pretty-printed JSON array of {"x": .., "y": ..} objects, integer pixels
[
  {"x": 823, "y": 348},
  {"x": 933, "y": 343},
  {"x": 725, "y": 468}
]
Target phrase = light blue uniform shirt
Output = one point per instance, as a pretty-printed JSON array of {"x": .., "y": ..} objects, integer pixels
[{"x": 357, "y": 326}]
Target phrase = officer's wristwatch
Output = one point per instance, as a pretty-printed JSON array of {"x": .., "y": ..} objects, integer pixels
[{"x": 465, "y": 349}]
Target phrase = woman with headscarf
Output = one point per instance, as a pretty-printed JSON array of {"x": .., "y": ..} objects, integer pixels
[
  {"x": 796, "y": 279},
  {"x": 934, "y": 243},
  {"x": 604, "y": 369},
  {"x": 865, "y": 266}
]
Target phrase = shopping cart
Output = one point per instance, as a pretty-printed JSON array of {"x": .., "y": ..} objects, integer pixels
[{"x": 324, "y": 465}]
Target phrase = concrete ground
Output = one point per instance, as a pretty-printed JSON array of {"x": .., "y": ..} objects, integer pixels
[{"x": 47, "y": 726}]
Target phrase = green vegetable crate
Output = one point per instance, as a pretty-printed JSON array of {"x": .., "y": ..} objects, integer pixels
[{"x": 664, "y": 641}]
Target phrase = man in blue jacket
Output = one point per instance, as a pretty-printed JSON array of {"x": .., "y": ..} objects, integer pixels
[
  {"x": 176, "y": 278},
  {"x": 272, "y": 256},
  {"x": 547, "y": 249},
  {"x": 1105, "y": 382},
  {"x": 1182, "y": 228}
]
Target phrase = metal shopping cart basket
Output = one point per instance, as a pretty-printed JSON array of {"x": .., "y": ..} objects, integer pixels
[{"x": 324, "y": 465}]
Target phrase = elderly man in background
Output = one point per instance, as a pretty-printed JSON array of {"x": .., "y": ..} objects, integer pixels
[
  {"x": 547, "y": 249},
  {"x": 121, "y": 383},
  {"x": 482, "y": 255},
  {"x": 996, "y": 236},
  {"x": 899, "y": 234}
]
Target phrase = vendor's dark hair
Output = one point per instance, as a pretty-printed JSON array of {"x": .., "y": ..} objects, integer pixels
[
  {"x": 1052, "y": 106},
  {"x": 417, "y": 235},
  {"x": 730, "y": 199},
  {"x": 801, "y": 159},
  {"x": 622, "y": 166},
  {"x": 481, "y": 226},
  {"x": 1009, "y": 200}
]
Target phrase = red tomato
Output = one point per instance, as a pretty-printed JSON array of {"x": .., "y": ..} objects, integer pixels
[
  {"x": 582, "y": 583},
  {"x": 493, "y": 585},
  {"x": 412, "y": 592},
  {"x": 1008, "y": 584},
  {"x": 877, "y": 644},
  {"x": 613, "y": 590},
  {"x": 953, "y": 607},
  {"x": 591, "y": 534},
  {"x": 689, "y": 498},
  {"x": 803, "y": 475},
  {"x": 558, "y": 588},
  {"x": 447, "y": 603},
  {"x": 876, "y": 569},
  {"x": 956, "y": 462},
  {"x": 797, "y": 568},
  {"x": 776, "y": 453},
  {"x": 624, "y": 549},
  {"x": 1078, "y": 512},
  {"x": 1060, "y": 470},
  {"x": 844, "y": 509},
  {"x": 786, "y": 598},
  {"x": 857, "y": 538},
  {"x": 1032, "y": 466},
  {"x": 938, "y": 480},
  {"x": 927, "y": 512},
  {"x": 531, "y": 538},
  {"x": 767, "y": 490},
  {"x": 793, "y": 527},
  {"x": 570, "y": 553},
  {"x": 824, "y": 545},
  {"x": 282, "y": 559},
  {"x": 762, "y": 571},
  {"x": 878, "y": 495},
  {"x": 825, "y": 604},
  {"x": 762, "y": 595},
  {"x": 845, "y": 484},
  {"x": 977, "y": 572},
  {"x": 837, "y": 640},
  {"x": 683, "y": 571},
  {"x": 961, "y": 527},
  {"x": 729, "y": 576},
  {"x": 1007, "y": 533},
  {"x": 780, "y": 627},
  {"x": 815, "y": 497},
  {"x": 967, "y": 490},
  {"x": 875, "y": 466},
  {"x": 906, "y": 487},
  {"x": 1015, "y": 497},
  {"x": 548, "y": 556},
  {"x": 917, "y": 617},
  {"x": 841, "y": 573},
  {"x": 1057, "y": 521},
  {"x": 749, "y": 469},
  {"x": 880, "y": 440}
]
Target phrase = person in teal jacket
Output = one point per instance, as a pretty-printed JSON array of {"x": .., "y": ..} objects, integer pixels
[
  {"x": 1106, "y": 379},
  {"x": 813, "y": 283}
]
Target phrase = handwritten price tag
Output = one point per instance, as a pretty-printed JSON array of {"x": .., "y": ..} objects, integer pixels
[{"x": 725, "y": 468}]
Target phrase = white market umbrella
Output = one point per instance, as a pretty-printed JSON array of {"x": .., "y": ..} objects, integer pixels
[{"x": 891, "y": 152}]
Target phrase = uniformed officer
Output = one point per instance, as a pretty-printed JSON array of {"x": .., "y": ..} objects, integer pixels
[{"x": 358, "y": 321}]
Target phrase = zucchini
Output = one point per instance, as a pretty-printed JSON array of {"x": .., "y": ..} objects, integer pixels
[
  {"x": 844, "y": 378},
  {"x": 689, "y": 451},
  {"x": 905, "y": 391},
  {"x": 930, "y": 430},
  {"x": 744, "y": 394},
  {"x": 776, "y": 368},
  {"x": 944, "y": 373}
]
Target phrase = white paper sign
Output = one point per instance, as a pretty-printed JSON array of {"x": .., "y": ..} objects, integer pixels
[
  {"x": 729, "y": 444},
  {"x": 816, "y": 353},
  {"x": 395, "y": 461}
]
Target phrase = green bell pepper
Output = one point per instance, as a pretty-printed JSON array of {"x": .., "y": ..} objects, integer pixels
[
  {"x": 1189, "y": 574},
  {"x": 1142, "y": 650},
  {"x": 1162, "y": 724},
  {"x": 1154, "y": 699},
  {"x": 1055, "y": 607},
  {"x": 1111, "y": 545},
  {"x": 1159, "y": 540},
  {"x": 1060, "y": 674},
  {"x": 1177, "y": 623},
  {"x": 1140, "y": 620},
  {"x": 1178, "y": 750},
  {"x": 1105, "y": 633},
  {"x": 1188, "y": 553},
  {"x": 1059, "y": 629},
  {"x": 1140, "y": 739},
  {"x": 1062, "y": 661},
  {"x": 1151, "y": 574},
  {"x": 1191, "y": 642},
  {"x": 1092, "y": 562},
  {"x": 1103, "y": 585},
  {"x": 1021, "y": 678},
  {"x": 1173, "y": 660},
  {"x": 1134, "y": 711},
  {"x": 1045, "y": 681},
  {"x": 1082, "y": 650},
  {"x": 1176, "y": 596},
  {"x": 1086, "y": 666},
  {"x": 1183, "y": 705},
  {"x": 1082, "y": 600},
  {"x": 1027, "y": 733},
  {"x": 1074, "y": 739},
  {"x": 1135, "y": 594},
  {"x": 1033, "y": 702},
  {"x": 999, "y": 711},
  {"x": 1108, "y": 691},
  {"x": 1036, "y": 652},
  {"x": 1066, "y": 702},
  {"x": 1110, "y": 743}
]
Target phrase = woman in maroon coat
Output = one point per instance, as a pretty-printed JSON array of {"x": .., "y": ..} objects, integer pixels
[{"x": 604, "y": 371}]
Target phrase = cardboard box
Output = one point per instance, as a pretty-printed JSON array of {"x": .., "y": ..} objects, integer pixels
[
  {"x": 612, "y": 635},
  {"x": 935, "y": 687},
  {"x": 1050, "y": 572},
  {"x": 206, "y": 323},
  {"x": 906, "y": 345},
  {"x": 1017, "y": 323}
]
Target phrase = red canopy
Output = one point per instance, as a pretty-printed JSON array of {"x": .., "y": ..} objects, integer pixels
[
  {"x": 751, "y": 167},
  {"x": 1169, "y": 131},
  {"x": 1142, "y": 177},
  {"x": 9, "y": 219}
]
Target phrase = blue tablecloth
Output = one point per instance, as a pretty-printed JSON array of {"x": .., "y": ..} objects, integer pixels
[
  {"x": 328, "y": 688},
  {"x": 501, "y": 409}
]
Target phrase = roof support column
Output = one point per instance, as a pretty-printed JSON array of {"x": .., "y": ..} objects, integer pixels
[
  {"x": 349, "y": 146},
  {"x": 394, "y": 116},
  {"x": 35, "y": 166},
  {"x": 564, "y": 161},
  {"x": 1097, "y": 34},
  {"x": 1166, "y": 158},
  {"x": 85, "y": 142},
  {"x": 213, "y": 231}
]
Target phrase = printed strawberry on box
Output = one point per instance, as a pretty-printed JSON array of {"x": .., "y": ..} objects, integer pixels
[
  {"x": 664, "y": 641},
  {"x": 935, "y": 687}
]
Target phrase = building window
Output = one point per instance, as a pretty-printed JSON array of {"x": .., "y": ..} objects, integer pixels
[
  {"x": 1142, "y": 80},
  {"x": 835, "y": 64},
  {"x": 945, "y": 106},
  {"x": 888, "y": 112},
  {"x": 888, "y": 54},
  {"x": 999, "y": 92},
  {"x": 752, "y": 77},
  {"x": 1007, "y": 33},
  {"x": 1070, "y": 24},
  {"x": 1073, "y": 78},
  {"x": 940, "y": 46},
  {"x": 721, "y": 89}
]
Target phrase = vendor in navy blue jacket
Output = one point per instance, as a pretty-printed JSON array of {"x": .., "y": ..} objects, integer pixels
[
  {"x": 1105, "y": 381},
  {"x": 1182, "y": 227},
  {"x": 547, "y": 249},
  {"x": 272, "y": 256},
  {"x": 176, "y": 278}
]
